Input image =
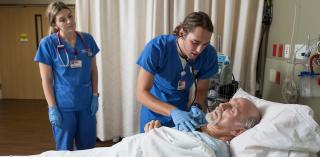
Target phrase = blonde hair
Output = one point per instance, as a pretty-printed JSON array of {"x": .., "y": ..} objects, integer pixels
[{"x": 53, "y": 9}]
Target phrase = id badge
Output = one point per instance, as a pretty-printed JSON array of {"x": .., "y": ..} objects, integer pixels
[
  {"x": 181, "y": 84},
  {"x": 76, "y": 63}
]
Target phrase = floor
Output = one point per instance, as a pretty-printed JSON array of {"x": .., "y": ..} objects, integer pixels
[{"x": 25, "y": 129}]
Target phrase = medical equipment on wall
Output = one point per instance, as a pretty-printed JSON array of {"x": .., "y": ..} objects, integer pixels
[
  {"x": 75, "y": 52},
  {"x": 291, "y": 90},
  {"x": 310, "y": 79},
  {"x": 222, "y": 85}
]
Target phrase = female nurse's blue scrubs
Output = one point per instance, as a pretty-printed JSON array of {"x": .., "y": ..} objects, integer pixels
[
  {"x": 72, "y": 89},
  {"x": 161, "y": 58}
]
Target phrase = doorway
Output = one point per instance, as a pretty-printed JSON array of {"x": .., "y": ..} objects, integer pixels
[{"x": 21, "y": 27}]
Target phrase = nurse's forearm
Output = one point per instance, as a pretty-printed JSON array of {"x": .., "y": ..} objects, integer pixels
[
  {"x": 48, "y": 92},
  {"x": 94, "y": 76},
  {"x": 202, "y": 92},
  {"x": 201, "y": 96},
  {"x": 154, "y": 104},
  {"x": 46, "y": 80}
]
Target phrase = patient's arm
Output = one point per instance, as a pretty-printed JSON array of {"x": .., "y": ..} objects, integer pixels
[{"x": 151, "y": 125}]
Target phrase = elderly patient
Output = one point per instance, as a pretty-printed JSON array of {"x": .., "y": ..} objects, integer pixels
[
  {"x": 228, "y": 120},
  {"x": 224, "y": 123}
]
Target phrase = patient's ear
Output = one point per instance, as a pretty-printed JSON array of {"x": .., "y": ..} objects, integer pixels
[{"x": 237, "y": 132}]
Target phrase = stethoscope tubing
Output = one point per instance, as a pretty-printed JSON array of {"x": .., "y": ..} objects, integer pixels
[
  {"x": 59, "y": 46},
  {"x": 192, "y": 74}
]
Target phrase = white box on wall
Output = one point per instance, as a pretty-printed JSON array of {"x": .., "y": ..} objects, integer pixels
[{"x": 300, "y": 50}]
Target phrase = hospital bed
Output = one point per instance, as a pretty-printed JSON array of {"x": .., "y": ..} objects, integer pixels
[{"x": 285, "y": 130}]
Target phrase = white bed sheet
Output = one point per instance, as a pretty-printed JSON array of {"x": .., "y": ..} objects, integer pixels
[
  {"x": 160, "y": 142},
  {"x": 285, "y": 130}
]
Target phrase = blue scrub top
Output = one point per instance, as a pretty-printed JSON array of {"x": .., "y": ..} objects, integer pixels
[
  {"x": 160, "y": 58},
  {"x": 72, "y": 86}
]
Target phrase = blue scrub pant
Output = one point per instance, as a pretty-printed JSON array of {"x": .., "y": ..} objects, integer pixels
[{"x": 78, "y": 127}]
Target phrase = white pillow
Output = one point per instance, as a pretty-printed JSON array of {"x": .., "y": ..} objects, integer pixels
[{"x": 284, "y": 128}]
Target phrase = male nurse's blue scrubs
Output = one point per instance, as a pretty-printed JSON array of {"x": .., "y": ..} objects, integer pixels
[
  {"x": 72, "y": 89},
  {"x": 160, "y": 57}
]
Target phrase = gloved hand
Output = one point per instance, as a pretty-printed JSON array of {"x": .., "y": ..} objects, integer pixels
[
  {"x": 94, "y": 105},
  {"x": 55, "y": 116},
  {"x": 198, "y": 115},
  {"x": 183, "y": 120}
]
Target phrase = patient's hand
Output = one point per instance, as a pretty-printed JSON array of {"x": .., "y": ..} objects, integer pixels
[{"x": 151, "y": 125}]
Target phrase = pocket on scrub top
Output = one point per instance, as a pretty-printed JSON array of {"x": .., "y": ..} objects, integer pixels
[
  {"x": 64, "y": 97},
  {"x": 83, "y": 95}
]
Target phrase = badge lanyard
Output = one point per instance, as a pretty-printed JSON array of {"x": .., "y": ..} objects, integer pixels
[
  {"x": 182, "y": 81},
  {"x": 184, "y": 61}
]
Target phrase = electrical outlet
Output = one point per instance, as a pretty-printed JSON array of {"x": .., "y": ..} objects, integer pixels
[
  {"x": 272, "y": 76},
  {"x": 300, "y": 51},
  {"x": 287, "y": 51}
]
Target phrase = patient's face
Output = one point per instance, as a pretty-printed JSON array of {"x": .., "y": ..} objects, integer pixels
[{"x": 231, "y": 114}]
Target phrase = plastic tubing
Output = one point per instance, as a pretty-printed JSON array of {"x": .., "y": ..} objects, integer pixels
[{"x": 311, "y": 61}]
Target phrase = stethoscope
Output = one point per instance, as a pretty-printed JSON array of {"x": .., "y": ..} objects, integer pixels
[
  {"x": 183, "y": 73},
  {"x": 75, "y": 52}
]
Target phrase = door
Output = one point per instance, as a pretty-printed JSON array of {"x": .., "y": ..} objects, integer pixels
[{"x": 20, "y": 77}]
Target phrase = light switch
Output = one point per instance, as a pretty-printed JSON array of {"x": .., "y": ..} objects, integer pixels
[
  {"x": 272, "y": 77},
  {"x": 287, "y": 51}
]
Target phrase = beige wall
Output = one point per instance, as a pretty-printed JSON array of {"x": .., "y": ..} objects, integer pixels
[
  {"x": 19, "y": 74},
  {"x": 20, "y": 78},
  {"x": 307, "y": 22},
  {"x": 33, "y": 1}
]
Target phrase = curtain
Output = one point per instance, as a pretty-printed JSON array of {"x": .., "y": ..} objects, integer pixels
[{"x": 121, "y": 28}]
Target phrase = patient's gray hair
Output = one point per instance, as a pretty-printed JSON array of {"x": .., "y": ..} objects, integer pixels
[
  {"x": 253, "y": 118},
  {"x": 251, "y": 122}
]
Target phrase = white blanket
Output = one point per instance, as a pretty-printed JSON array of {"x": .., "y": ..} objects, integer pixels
[{"x": 160, "y": 142}]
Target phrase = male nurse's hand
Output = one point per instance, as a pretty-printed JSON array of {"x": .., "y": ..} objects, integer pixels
[
  {"x": 55, "y": 116},
  {"x": 198, "y": 115},
  {"x": 94, "y": 104},
  {"x": 183, "y": 120}
]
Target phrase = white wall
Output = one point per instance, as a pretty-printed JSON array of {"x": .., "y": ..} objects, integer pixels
[{"x": 280, "y": 33}]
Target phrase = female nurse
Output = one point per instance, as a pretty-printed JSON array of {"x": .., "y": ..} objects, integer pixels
[
  {"x": 69, "y": 79},
  {"x": 169, "y": 65}
]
